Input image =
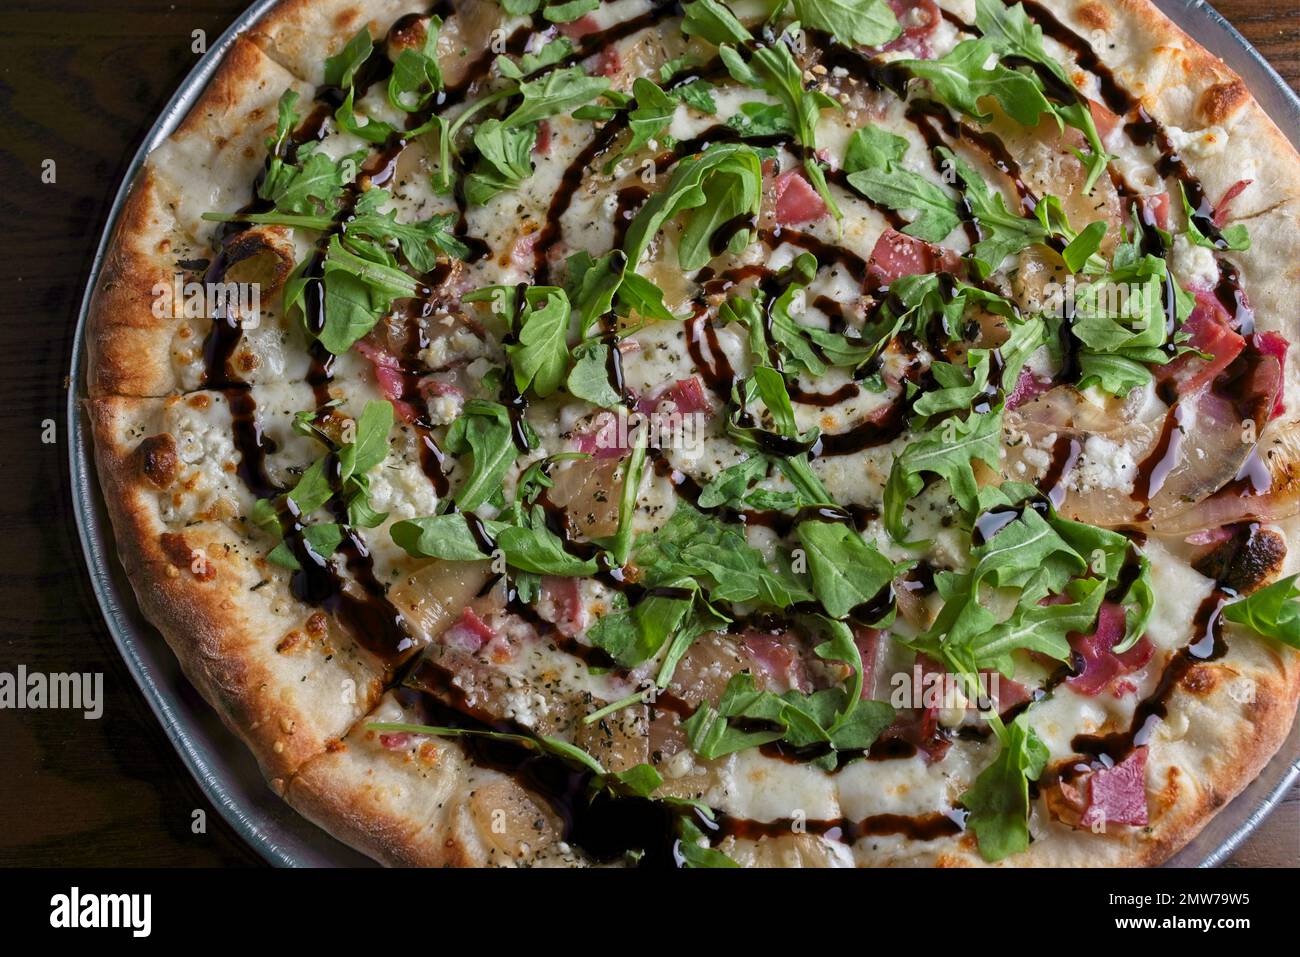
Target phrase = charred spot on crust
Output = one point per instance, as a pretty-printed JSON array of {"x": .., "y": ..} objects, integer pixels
[
  {"x": 183, "y": 556},
  {"x": 1201, "y": 680},
  {"x": 1221, "y": 100},
  {"x": 157, "y": 459},
  {"x": 1245, "y": 562},
  {"x": 1093, "y": 15},
  {"x": 407, "y": 33},
  {"x": 263, "y": 255},
  {"x": 289, "y": 642}
]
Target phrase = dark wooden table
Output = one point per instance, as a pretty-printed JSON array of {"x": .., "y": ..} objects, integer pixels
[{"x": 80, "y": 82}]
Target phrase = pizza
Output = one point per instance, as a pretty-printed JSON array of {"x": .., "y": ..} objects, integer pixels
[{"x": 825, "y": 432}]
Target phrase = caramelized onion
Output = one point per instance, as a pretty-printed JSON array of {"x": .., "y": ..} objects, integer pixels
[{"x": 433, "y": 596}]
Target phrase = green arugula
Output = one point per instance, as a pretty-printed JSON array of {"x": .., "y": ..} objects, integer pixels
[
  {"x": 341, "y": 68},
  {"x": 713, "y": 21},
  {"x": 416, "y": 76},
  {"x": 1272, "y": 611},
  {"x": 1004, "y": 233},
  {"x": 998, "y": 801},
  {"x": 800, "y": 720},
  {"x": 865, "y": 22},
  {"x": 1011, "y": 32},
  {"x": 773, "y": 70},
  {"x": 948, "y": 451},
  {"x": 341, "y": 474},
  {"x": 874, "y": 163},
  {"x": 846, "y": 570},
  {"x": 1233, "y": 238},
  {"x": 969, "y": 73},
  {"x": 1119, "y": 319},
  {"x": 360, "y": 287},
  {"x": 654, "y": 111},
  {"x": 483, "y": 430},
  {"x": 715, "y": 186}
]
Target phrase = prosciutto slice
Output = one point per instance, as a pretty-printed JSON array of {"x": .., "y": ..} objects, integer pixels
[
  {"x": 897, "y": 254},
  {"x": 1117, "y": 795},
  {"x": 796, "y": 200},
  {"x": 1100, "y": 665}
]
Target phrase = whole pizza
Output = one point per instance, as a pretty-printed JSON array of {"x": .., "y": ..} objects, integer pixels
[{"x": 769, "y": 432}]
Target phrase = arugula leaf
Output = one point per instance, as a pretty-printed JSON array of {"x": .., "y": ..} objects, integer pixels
[
  {"x": 654, "y": 111},
  {"x": 712, "y": 21},
  {"x": 415, "y": 239},
  {"x": 715, "y": 556},
  {"x": 802, "y": 348},
  {"x": 314, "y": 187},
  {"x": 847, "y": 571},
  {"x": 530, "y": 547},
  {"x": 773, "y": 70},
  {"x": 1272, "y": 611},
  {"x": 902, "y": 189},
  {"x": 358, "y": 292},
  {"x": 505, "y": 159},
  {"x": 372, "y": 131},
  {"x": 556, "y": 746},
  {"x": 1024, "y": 548},
  {"x": 633, "y": 635},
  {"x": 729, "y": 486},
  {"x": 505, "y": 145},
  {"x": 1002, "y": 232},
  {"x": 559, "y": 91},
  {"x": 520, "y": 8},
  {"x": 445, "y": 536},
  {"x": 633, "y": 473},
  {"x": 341, "y": 68},
  {"x": 541, "y": 356},
  {"x": 567, "y": 12},
  {"x": 948, "y": 451},
  {"x": 370, "y": 446},
  {"x": 964, "y": 76},
  {"x": 539, "y": 550},
  {"x": 323, "y": 480},
  {"x": 1111, "y": 373},
  {"x": 1037, "y": 628},
  {"x": 802, "y": 720},
  {"x": 725, "y": 177},
  {"x": 874, "y": 163},
  {"x": 589, "y": 377},
  {"x": 416, "y": 76},
  {"x": 998, "y": 801},
  {"x": 483, "y": 430},
  {"x": 1011, "y": 31},
  {"x": 639, "y": 295},
  {"x": 760, "y": 119},
  {"x": 866, "y": 22},
  {"x": 1120, "y": 320},
  {"x": 692, "y": 846},
  {"x": 1234, "y": 238},
  {"x": 697, "y": 94},
  {"x": 593, "y": 282}
]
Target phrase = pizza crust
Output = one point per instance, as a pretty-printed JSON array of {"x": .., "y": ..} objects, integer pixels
[
  {"x": 283, "y": 695},
  {"x": 281, "y": 675}
]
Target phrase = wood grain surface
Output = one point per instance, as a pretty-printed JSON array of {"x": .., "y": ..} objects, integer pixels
[{"x": 80, "y": 83}]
